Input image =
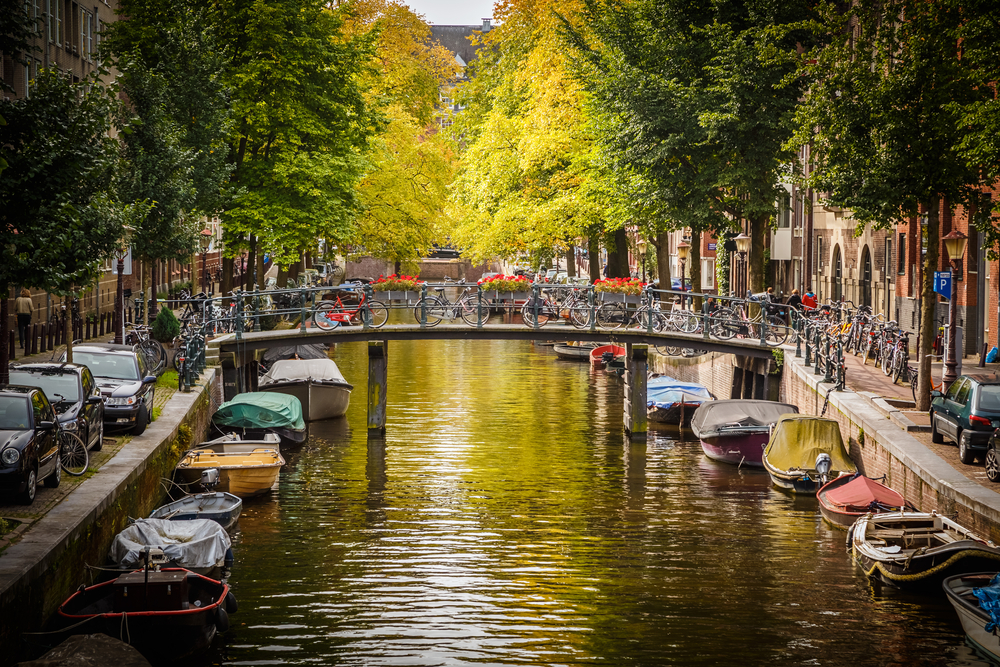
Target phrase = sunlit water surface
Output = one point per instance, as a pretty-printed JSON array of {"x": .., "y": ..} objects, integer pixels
[{"x": 504, "y": 520}]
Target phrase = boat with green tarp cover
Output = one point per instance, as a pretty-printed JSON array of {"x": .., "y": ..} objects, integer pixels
[
  {"x": 255, "y": 413},
  {"x": 804, "y": 452}
]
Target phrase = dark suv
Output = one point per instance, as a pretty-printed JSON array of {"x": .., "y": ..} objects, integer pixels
[
  {"x": 123, "y": 381},
  {"x": 968, "y": 414},
  {"x": 29, "y": 435},
  {"x": 73, "y": 393}
]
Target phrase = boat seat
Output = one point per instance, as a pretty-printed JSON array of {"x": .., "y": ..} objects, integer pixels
[{"x": 886, "y": 533}]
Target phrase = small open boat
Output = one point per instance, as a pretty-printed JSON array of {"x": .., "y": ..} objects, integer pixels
[
  {"x": 597, "y": 354},
  {"x": 844, "y": 499},
  {"x": 199, "y": 545},
  {"x": 232, "y": 442},
  {"x": 804, "y": 452},
  {"x": 317, "y": 383},
  {"x": 735, "y": 431},
  {"x": 670, "y": 401},
  {"x": 255, "y": 413},
  {"x": 976, "y": 599},
  {"x": 918, "y": 550},
  {"x": 166, "y": 614},
  {"x": 218, "y": 506},
  {"x": 573, "y": 351},
  {"x": 245, "y": 474}
]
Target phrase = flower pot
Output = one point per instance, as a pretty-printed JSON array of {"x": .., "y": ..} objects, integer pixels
[
  {"x": 633, "y": 298},
  {"x": 611, "y": 297},
  {"x": 521, "y": 296},
  {"x": 490, "y": 295}
]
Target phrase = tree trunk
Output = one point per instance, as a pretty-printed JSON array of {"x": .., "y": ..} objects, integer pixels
[
  {"x": 251, "y": 263},
  {"x": 226, "y": 285},
  {"x": 618, "y": 255},
  {"x": 758, "y": 228},
  {"x": 68, "y": 327},
  {"x": 928, "y": 310},
  {"x": 571, "y": 261},
  {"x": 695, "y": 259},
  {"x": 261, "y": 271},
  {"x": 5, "y": 318},
  {"x": 663, "y": 259},
  {"x": 282, "y": 276},
  {"x": 142, "y": 291},
  {"x": 594, "y": 257}
]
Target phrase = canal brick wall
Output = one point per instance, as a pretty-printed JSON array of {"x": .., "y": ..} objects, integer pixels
[
  {"x": 878, "y": 439},
  {"x": 50, "y": 561}
]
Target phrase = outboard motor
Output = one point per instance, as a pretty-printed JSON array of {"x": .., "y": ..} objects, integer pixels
[
  {"x": 210, "y": 478},
  {"x": 823, "y": 465},
  {"x": 607, "y": 357}
]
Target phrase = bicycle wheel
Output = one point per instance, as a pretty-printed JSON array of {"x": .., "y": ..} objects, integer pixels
[
  {"x": 612, "y": 315},
  {"x": 379, "y": 313},
  {"x": 777, "y": 331},
  {"x": 433, "y": 308},
  {"x": 73, "y": 454},
  {"x": 685, "y": 321},
  {"x": 723, "y": 325},
  {"x": 544, "y": 311},
  {"x": 899, "y": 367},
  {"x": 155, "y": 355},
  {"x": 473, "y": 312},
  {"x": 322, "y": 315},
  {"x": 580, "y": 314},
  {"x": 912, "y": 372}
]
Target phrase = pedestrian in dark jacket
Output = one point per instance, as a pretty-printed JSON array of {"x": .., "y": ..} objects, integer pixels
[{"x": 23, "y": 306}]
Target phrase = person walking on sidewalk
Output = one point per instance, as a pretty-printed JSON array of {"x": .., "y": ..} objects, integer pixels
[{"x": 23, "y": 307}]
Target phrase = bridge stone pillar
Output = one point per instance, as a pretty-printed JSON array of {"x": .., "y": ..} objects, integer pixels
[
  {"x": 378, "y": 371},
  {"x": 636, "y": 356}
]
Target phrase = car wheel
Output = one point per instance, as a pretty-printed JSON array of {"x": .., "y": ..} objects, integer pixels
[
  {"x": 936, "y": 437},
  {"x": 52, "y": 481},
  {"x": 27, "y": 496},
  {"x": 965, "y": 453},
  {"x": 100, "y": 437},
  {"x": 141, "y": 419},
  {"x": 992, "y": 465}
]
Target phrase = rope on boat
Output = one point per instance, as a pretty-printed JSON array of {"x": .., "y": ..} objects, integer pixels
[{"x": 926, "y": 573}]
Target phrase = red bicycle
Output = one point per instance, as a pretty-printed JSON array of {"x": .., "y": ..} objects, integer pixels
[{"x": 332, "y": 313}]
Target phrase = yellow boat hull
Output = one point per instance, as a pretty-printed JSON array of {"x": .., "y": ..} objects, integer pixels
[{"x": 243, "y": 474}]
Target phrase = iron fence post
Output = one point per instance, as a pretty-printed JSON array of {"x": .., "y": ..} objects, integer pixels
[
  {"x": 256, "y": 309},
  {"x": 536, "y": 296},
  {"x": 239, "y": 315},
  {"x": 590, "y": 306},
  {"x": 808, "y": 357},
  {"x": 366, "y": 312},
  {"x": 423, "y": 306},
  {"x": 649, "y": 309},
  {"x": 841, "y": 368},
  {"x": 827, "y": 376},
  {"x": 763, "y": 324},
  {"x": 816, "y": 352},
  {"x": 704, "y": 319},
  {"x": 797, "y": 328},
  {"x": 302, "y": 314},
  {"x": 479, "y": 306}
]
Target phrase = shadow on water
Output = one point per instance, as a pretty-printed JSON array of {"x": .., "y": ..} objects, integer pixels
[{"x": 504, "y": 519}]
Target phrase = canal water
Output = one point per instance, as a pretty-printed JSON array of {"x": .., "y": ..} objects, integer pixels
[{"x": 504, "y": 520}]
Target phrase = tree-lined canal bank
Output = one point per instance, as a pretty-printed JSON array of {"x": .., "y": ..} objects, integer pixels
[{"x": 505, "y": 520}]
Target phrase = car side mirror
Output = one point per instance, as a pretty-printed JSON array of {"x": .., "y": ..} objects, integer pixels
[
  {"x": 94, "y": 400},
  {"x": 936, "y": 394},
  {"x": 46, "y": 425},
  {"x": 149, "y": 379}
]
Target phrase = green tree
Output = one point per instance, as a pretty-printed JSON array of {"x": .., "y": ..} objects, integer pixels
[
  {"x": 56, "y": 221},
  {"x": 696, "y": 103},
  {"x": 886, "y": 124}
]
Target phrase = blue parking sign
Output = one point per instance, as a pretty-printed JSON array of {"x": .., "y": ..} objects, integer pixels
[{"x": 942, "y": 283}]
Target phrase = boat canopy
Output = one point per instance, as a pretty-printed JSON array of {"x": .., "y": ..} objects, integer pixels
[
  {"x": 712, "y": 418},
  {"x": 261, "y": 409},
  {"x": 300, "y": 370},
  {"x": 195, "y": 544},
  {"x": 861, "y": 492},
  {"x": 307, "y": 351},
  {"x": 664, "y": 392},
  {"x": 798, "y": 439}
]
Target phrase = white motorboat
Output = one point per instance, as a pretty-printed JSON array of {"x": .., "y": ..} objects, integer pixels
[{"x": 317, "y": 383}]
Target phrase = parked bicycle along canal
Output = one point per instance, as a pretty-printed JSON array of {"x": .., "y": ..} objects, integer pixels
[{"x": 504, "y": 520}]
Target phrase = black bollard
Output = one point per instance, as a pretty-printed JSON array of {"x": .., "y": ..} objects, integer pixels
[
  {"x": 11, "y": 345},
  {"x": 33, "y": 342}
]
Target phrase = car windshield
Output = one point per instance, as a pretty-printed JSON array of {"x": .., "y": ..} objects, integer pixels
[
  {"x": 57, "y": 386},
  {"x": 113, "y": 366},
  {"x": 989, "y": 398},
  {"x": 13, "y": 413}
]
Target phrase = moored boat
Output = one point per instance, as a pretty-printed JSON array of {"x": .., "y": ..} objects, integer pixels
[
  {"x": 318, "y": 384},
  {"x": 976, "y": 599},
  {"x": 844, "y": 499},
  {"x": 167, "y": 615},
  {"x": 597, "y": 354},
  {"x": 218, "y": 506},
  {"x": 670, "y": 401},
  {"x": 253, "y": 414},
  {"x": 918, "y": 550},
  {"x": 736, "y": 431},
  {"x": 199, "y": 545},
  {"x": 244, "y": 474},
  {"x": 573, "y": 351},
  {"x": 804, "y": 452}
]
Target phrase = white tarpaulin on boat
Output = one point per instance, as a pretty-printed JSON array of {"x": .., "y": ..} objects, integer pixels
[
  {"x": 195, "y": 544},
  {"x": 296, "y": 370}
]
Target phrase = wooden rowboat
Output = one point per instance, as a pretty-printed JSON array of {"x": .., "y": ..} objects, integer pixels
[
  {"x": 244, "y": 474},
  {"x": 844, "y": 499}
]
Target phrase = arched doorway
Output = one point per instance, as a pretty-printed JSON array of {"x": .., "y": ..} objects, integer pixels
[
  {"x": 837, "y": 288},
  {"x": 865, "y": 278}
]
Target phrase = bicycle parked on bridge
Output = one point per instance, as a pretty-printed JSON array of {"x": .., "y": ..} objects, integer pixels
[
  {"x": 733, "y": 321},
  {"x": 436, "y": 307},
  {"x": 332, "y": 313}
]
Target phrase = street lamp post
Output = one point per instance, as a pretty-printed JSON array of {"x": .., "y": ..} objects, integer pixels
[
  {"x": 641, "y": 246},
  {"x": 743, "y": 247},
  {"x": 682, "y": 254},
  {"x": 206, "y": 240},
  {"x": 954, "y": 243}
]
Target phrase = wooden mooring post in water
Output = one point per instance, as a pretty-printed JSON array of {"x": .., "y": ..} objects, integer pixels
[
  {"x": 378, "y": 373},
  {"x": 636, "y": 356}
]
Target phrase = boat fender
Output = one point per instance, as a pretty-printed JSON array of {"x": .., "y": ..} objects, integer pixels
[
  {"x": 221, "y": 620},
  {"x": 231, "y": 605},
  {"x": 229, "y": 559}
]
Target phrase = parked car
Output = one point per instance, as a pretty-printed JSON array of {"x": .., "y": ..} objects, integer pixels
[
  {"x": 73, "y": 393},
  {"x": 30, "y": 433},
  {"x": 124, "y": 382},
  {"x": 968, "y": 414}
]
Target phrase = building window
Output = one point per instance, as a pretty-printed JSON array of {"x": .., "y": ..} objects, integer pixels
[
  {"x": 708, "y": 273},
  {"x": 819, "y": 253},
  {"x": 785, "y": 212},
  {"x": 901, "y": 255},
  {"x": 86, "y": 33},
  {"x": 888, "y": 257}
]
